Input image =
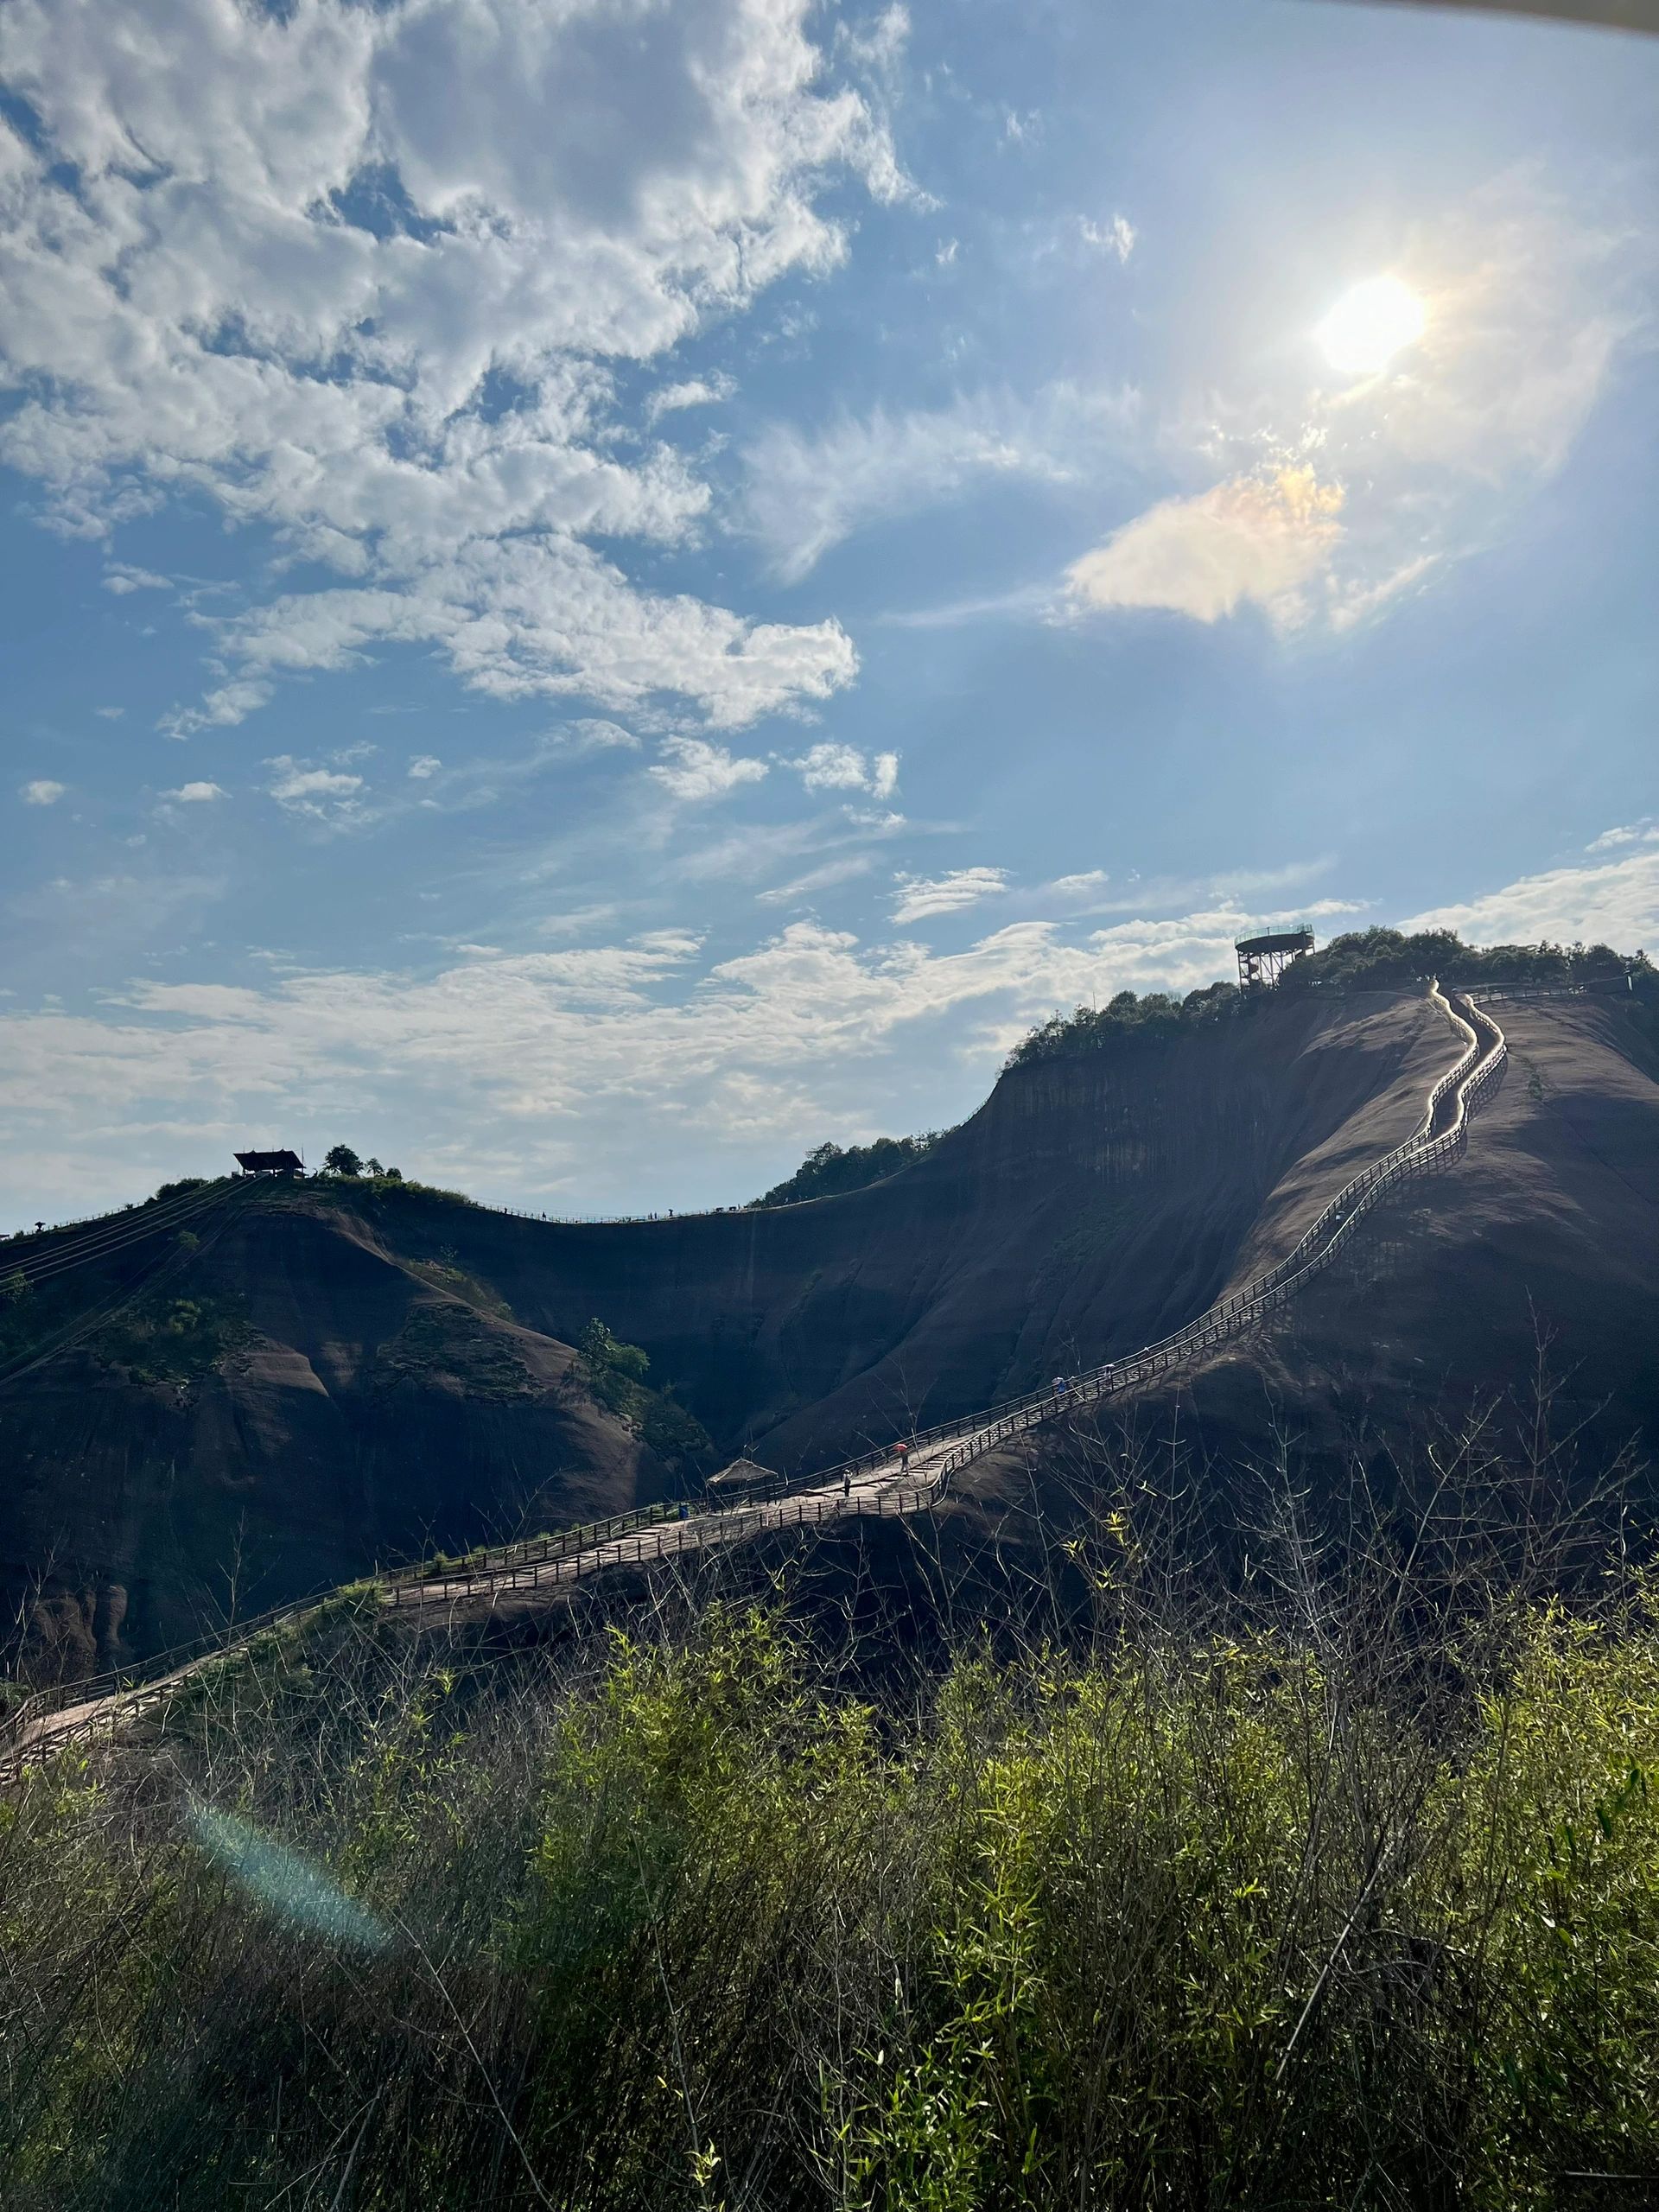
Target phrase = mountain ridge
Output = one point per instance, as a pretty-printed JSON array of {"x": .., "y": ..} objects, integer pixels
[{"x": 409, "y": 1376}]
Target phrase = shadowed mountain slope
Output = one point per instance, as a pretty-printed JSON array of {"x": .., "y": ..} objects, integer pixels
[
  {"x": 347, "y": 1409},
  {"x": 1091, "y": 1204},
  {"x": 1533, "y": 1262},
  {"x": 392, "y": 1369}
]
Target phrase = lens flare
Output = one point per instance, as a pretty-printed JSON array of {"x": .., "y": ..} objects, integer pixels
[{"x": 287, "y": 1885}]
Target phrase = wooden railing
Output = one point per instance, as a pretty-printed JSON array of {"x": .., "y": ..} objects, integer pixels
[{"x": 661, "y": 1532}]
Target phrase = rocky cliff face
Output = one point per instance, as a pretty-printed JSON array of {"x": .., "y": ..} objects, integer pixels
[{"x": 1089, "y": 1205}]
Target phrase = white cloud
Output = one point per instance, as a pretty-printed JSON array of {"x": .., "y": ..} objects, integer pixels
[
  {"x": 1116, "y": 237},
  {"x": 1261, "y": 538},
  {"x": 693, "y": 391},
  {"x": 807, "y": 491},
  {"x": 1644, "y": 832},
  {"x": 43, "y": 792},
  {"x": 425, "y": 766},
  {"x": 1094, "y": 892},
  {"x": 328, "y": 795},
  {"x": 1088, "y": 885},
  {"x": 1614, "y": 902},
  {"x": 547, "y": 617},
  {"x": 578, "y": 919},
  {"x": 919, "y": 896},
  {"x": 530, "y": 1071},
  {"x": 692, "y": 769},
  {"x": 122, "y": 579},
  {"x": 312, "y": 783},
  {"x": 221, "y": 709},
  {"x": 108, "y": 714},
  {"x": 257, "y": 192},
  {"x": 836, "y": 767},
  {"x": 196, "y": 794}
]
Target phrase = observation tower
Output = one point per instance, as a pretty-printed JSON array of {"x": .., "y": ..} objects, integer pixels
[{"x": 1263, "y": 960}]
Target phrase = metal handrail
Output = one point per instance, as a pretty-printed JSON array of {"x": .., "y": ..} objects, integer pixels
[
  {"x": 579, "y": 1552},
  {"x": 979, "y": 1432}
]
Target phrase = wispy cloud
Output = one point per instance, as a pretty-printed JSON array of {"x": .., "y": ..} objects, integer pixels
[
  {"x": 806, "y": 491},
  {"x": 122, "y": 579},
  {"x": 1644, "y": 832},
  {"x": 919, "y": 897},
  {"x": 1095, "y": 891},
  {"x": 817, "y": 879},
  {"x": 1116, "y": 237},
  {"x": 328, "y": 795},
  {"x": 42, "y": 791},
  {"x": 222, "y": 708},
  {"x": 198, "y": 794},
  {"x": 589, "y": 734},
  {"x": 1611, "y": 902}
]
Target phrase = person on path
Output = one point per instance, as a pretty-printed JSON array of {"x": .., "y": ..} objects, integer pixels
[
  {"x": 903, "y": 1455},
  {"x": 847, "y": 1484}
]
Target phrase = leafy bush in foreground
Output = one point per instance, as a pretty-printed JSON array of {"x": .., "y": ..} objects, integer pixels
[{"x": 1233, "y": 1919}]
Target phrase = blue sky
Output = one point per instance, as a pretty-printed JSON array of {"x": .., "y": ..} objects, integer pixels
[{"x": 597, "y": 594}]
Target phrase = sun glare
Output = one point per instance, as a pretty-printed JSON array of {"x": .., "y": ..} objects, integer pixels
[{"x": 1369, "y": 325}]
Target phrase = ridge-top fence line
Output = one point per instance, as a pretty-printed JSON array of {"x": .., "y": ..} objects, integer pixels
[{"x": 829, "y": 1495}]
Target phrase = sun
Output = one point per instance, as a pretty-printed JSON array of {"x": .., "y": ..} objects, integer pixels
[{"x": 1369, "y": 325}]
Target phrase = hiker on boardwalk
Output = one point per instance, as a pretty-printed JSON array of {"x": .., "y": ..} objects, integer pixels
[
  {"x": 901, "y": 1452},
  {"x": 847, "y": 1484}
]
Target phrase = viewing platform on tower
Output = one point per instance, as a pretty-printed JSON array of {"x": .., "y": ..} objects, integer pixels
[{"x": 1263, "y": 960}]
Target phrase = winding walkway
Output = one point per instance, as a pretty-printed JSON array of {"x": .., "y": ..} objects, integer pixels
[{"x": 879, "y": 1482}]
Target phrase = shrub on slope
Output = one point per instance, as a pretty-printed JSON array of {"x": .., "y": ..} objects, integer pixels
[
  {"x": 1232, "y": 1918},
  {"x": 1367, "y": 960},
  {"x": 831, "y": 1169}
]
